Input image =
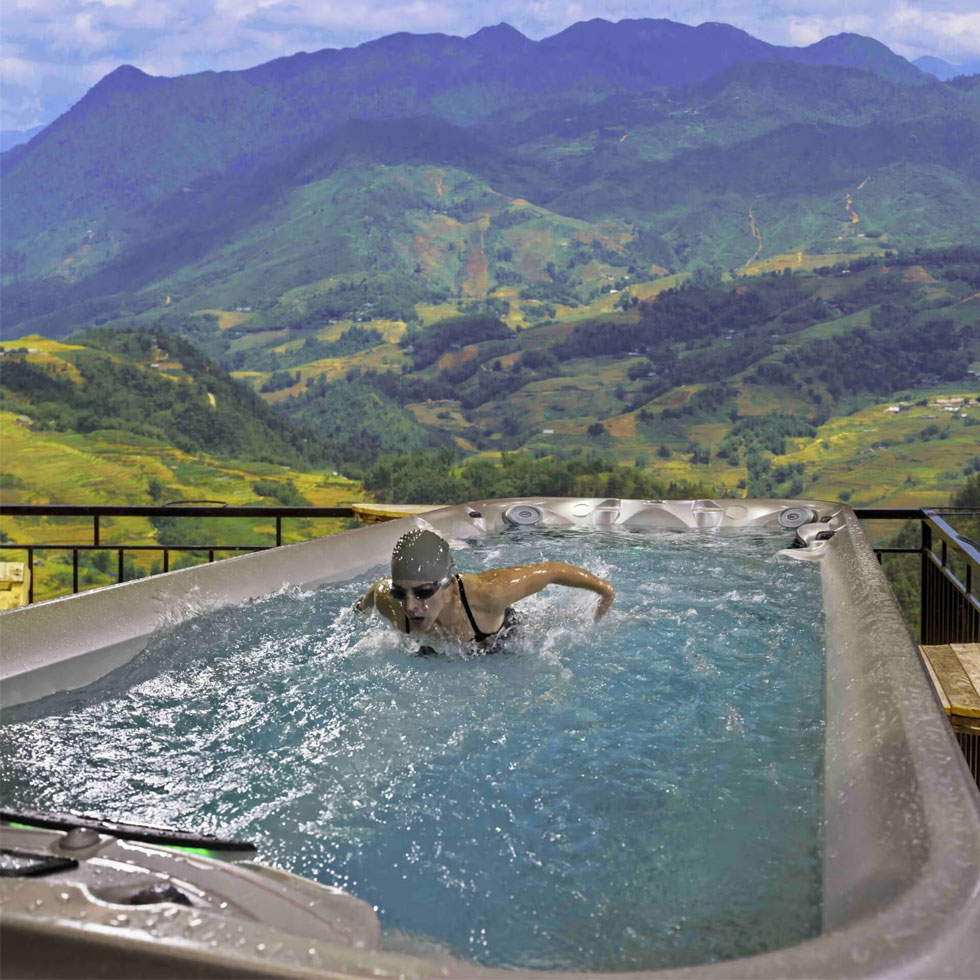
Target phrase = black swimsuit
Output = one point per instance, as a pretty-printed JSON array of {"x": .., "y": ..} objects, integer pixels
[{"x": 481, "y": 642}]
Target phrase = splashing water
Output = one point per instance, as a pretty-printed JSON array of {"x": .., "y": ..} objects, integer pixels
[{"x": 642, "y": 792}]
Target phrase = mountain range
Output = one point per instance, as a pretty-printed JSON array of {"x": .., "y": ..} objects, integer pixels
[{"x": 420, "y": 169}]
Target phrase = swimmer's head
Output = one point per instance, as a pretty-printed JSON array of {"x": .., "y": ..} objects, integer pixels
[{"x": 421, "y": 556}]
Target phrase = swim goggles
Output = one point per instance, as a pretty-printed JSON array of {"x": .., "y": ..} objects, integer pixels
[{"x": 420, "y": 592}]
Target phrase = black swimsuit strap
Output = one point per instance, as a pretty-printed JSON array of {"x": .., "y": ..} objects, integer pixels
[{"x": 478, "y": 634}]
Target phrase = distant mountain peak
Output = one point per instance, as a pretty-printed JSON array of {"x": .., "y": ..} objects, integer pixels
[
  {"x": 501, "y": 30},
  {"x": 125, "y": 78},
  {"x": 848, "y": 50},
  {"x": 500, "y": 39},
  {"x": 943, "y": 70}
]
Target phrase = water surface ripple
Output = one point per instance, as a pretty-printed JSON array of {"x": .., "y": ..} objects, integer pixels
[{"x": 641, "y": 792}]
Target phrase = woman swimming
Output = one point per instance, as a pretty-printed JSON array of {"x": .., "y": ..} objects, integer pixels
[{"x": 425, "y": 597}]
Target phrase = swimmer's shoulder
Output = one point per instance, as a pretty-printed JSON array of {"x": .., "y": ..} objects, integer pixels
[
  {"x": 491, "y": 591},
  {"x": 378, "y": 596}
]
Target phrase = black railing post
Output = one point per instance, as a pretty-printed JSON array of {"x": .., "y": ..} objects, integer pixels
[
  {"x": 95, "y": 530},
  {"x": 925, "y": 605},
  {"x": 74, "y": 571},
  {"x": 119, "y": 570},
  {"x": 278, "y": 531},
  {"x": 30, "y": 574}
]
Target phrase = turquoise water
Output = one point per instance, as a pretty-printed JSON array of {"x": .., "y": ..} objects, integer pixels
[{"x": 640, "y": 792}]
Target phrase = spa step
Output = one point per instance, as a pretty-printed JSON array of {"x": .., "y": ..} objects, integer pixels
[{"x": 375, "y": 513}]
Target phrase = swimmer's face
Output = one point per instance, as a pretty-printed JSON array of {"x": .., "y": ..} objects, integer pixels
[{"x": 421, "y": 600}]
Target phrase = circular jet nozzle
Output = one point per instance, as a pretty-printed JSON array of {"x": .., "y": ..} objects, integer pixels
[
  {"x": 526, "y": 514},
  {"x": 797, "y": 516}
]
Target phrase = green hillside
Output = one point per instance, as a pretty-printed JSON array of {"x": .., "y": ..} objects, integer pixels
[
  {"x": 155, "y": 386},
  {"x": 136, "y": 418},
  {"x": 530, "y": 203},
  {"x": 775, "y": 383}
]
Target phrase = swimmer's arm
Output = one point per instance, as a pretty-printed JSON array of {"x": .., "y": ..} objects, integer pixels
[
  {"x": 368, "y": 600},
  {"x": 507, "y": 585}
]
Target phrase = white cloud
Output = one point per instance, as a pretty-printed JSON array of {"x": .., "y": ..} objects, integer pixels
[
  {"x": 417, "y": 16},
  {"x": 915, "y": 30},
  {"x": 57, "y": 46}
]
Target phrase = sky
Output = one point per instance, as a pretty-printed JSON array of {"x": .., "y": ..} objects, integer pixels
[{"x": 53, "y": 51}]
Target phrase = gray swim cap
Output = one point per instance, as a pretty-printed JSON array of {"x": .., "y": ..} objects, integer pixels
[{"x": 421, "y": 556}]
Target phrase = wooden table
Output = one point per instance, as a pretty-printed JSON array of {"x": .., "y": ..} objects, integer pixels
[
  {"x": 955, "y": 672},
  {"x": 375, "y": 513},
  {"x": 15, "y": 581}
]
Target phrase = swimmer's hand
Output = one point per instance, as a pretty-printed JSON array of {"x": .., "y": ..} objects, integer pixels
[{"x": 605, "y": 601}]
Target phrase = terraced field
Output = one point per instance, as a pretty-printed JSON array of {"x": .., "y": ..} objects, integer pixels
[{"x": 49, "y": 468}]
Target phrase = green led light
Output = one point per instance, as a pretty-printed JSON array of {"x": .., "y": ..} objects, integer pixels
[
  {"x": 202, "y": 851},
  {"x": 191, "y": 850}
]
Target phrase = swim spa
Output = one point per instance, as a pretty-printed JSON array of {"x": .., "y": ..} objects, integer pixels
[{"x": 897, "y": 872}]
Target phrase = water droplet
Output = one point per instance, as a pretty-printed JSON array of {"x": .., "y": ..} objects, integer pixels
[
  {"x": 260, "y": 948},
  {"x": 64, "y": 896},
  {"x": 122, "y": 919}
]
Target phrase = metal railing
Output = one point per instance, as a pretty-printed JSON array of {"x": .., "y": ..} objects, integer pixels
[
  {"x": 948, "y": 610},
  {"x": 181, "y": 510},
  {"x": 949, "y": 572},
  {"x": 949, "y": 563}
]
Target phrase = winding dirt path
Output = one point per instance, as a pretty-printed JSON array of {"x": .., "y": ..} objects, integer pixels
[{"x": 754, "y": 228}]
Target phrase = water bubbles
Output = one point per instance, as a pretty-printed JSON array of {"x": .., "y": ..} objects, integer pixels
[{"x": 733, "y": 720}]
